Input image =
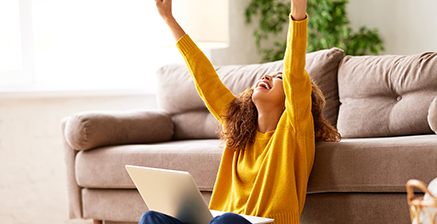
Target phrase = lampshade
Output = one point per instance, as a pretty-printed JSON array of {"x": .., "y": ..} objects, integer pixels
[{"x": 206, "y": 21}]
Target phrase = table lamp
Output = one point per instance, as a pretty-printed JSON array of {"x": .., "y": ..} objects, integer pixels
[{"x": 206, "y": 21}]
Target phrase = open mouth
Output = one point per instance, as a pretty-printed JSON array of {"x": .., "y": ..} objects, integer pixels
[{"x": 264, "y": 85}]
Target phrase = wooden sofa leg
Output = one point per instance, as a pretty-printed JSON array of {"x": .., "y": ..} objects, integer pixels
[{"x": 98, "y": 222}]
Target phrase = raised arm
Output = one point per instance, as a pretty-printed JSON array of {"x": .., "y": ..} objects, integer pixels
[
  {"x": 297, "y": 84},
  {"x": 208, "y": 84}
]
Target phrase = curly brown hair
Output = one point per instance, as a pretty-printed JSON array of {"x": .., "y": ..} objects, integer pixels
[{"x": 240, "y": 122}]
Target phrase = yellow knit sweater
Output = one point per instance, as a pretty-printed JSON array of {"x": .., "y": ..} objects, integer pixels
[{"x": 268, "y": 178}]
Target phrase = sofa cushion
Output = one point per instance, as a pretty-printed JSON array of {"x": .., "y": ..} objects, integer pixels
[
  {"x": 386, "y": 95},
  {"x": 353, "y": 165},
  {"x": 198, "y": 124},
  {"x": 373, "y": 164},
  {"x": 322, "y": 66},
  {"x": 432, "y": 115},
  {"x": 177, "y": 93},
  {"x": 105, "y": 167}
]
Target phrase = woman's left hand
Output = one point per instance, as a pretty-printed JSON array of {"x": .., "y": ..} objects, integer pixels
[{"x": 298, "y": 9}]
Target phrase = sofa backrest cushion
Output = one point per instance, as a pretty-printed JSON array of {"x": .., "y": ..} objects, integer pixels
[
  {"x": 386, "y": 95},
  {"x": 177, "y": 94}
]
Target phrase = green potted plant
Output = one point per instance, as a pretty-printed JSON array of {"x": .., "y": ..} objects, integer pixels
[{"x": 328, "y": 27}]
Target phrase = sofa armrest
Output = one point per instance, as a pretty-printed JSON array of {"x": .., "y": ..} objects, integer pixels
[{"x": 94, "y": 129}]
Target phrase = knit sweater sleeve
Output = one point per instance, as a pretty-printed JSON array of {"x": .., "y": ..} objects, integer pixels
[
  {"x": 297, "y": 87},
  {"x": 208, "y": 84},
  {"x": 297, "y": 84}
]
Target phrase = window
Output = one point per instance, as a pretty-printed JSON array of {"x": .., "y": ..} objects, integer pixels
[
  {"x": 16, "y": 63},
  {"x": 84, "y": 44},
  {"x": 10, "y": 46}
]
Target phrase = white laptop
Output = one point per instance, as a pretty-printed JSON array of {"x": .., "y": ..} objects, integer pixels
[{"x": 174, "y": 193}]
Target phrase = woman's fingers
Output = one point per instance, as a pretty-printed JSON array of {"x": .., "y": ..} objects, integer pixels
[{"x": 164, "y": 8}]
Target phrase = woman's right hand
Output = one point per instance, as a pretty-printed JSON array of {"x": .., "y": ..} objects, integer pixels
[{"x": 164, "y": 8}]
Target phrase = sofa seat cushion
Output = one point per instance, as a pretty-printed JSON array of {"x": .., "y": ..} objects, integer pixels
[
  {"x": 352, "y": 165},
  {"x": 373, "y": 164},
  {"x": 105, "y": 167}
]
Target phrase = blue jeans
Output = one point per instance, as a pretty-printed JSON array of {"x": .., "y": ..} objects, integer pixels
[{"x": 152, "y": 217}]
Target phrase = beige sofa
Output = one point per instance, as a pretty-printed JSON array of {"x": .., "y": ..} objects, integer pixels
[{"x": 384, "y": 106}]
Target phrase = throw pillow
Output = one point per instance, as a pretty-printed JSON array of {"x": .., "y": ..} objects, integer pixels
[{"x": 432, "y": 115}]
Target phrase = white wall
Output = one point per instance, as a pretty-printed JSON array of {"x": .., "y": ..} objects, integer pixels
[
  {"x": 32, "y": 171},
  {"x": 406, "y": 27}
]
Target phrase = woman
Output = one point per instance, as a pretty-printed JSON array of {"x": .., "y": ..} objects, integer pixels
[{"x": 270, "y": 130}]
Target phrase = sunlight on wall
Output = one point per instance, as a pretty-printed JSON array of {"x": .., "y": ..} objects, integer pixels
[
  {"x": 100, "y": 43},
  {"x": 10, "y": 39}
]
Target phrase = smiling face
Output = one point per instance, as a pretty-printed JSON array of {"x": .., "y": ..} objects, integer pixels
[{"x": 269, "y": 91}]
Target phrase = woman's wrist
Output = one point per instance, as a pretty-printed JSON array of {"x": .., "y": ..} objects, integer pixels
[
  {"x": 175, "y": 28},
  {"x": 299, "y": 17},
  {"x": 298, "y": 10},
  {"x": 169, "y": 19}
]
